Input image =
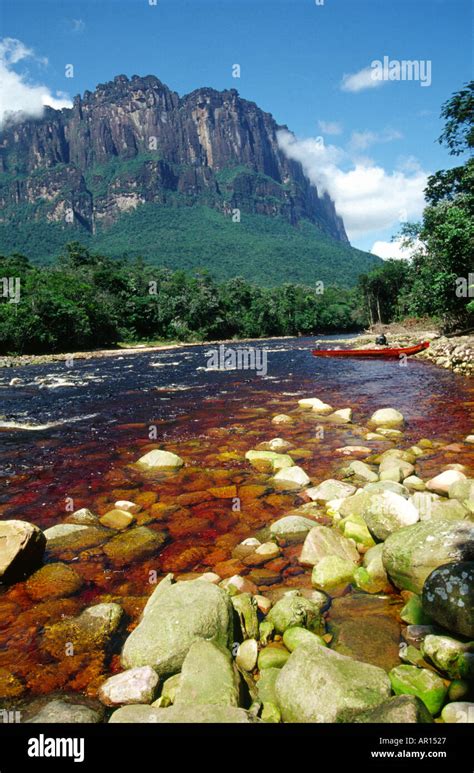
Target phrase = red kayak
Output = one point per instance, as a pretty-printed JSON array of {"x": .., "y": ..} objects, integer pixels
[{"x": 383, "y": 353}]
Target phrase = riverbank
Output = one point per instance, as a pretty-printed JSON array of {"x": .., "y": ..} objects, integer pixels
[{"x": 272, "y": 574}]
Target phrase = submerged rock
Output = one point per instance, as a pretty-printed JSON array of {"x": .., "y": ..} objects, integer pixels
[
  {"x": 319, "y": 685},
  {"x": 136, "y": 685},
  {"x": 448, "y": 597},
  {"x": 53, "y": 581},
  {"x": 315, "y": 404},
  {"x": 174, "y": 618},
  {"x": 268, "y": 461},
  {"x": 413, "y": 552},
  {"x": 134, "y": 545},
  {"x": 387, "y": 417},
  {"x": 90, "y": 631},
  {"x": 117, "y": 519},
  {"x": 22, "y": 546},
  {"x": 292, "y": 528}
]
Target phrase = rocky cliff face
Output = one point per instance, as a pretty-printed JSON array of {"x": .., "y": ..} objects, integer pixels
[{"x": 134, "y": 141}]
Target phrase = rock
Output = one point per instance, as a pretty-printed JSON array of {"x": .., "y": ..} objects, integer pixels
[
  {"x": 10, "y": 685},
  {"x": 371, "y": 576},
  {"x": 363, "y": 472},
  {"x": 413, "y": 613},
  {"x": 294, "y": 609},
  {"x": 70, "y": 538},
  {"x": 59, "y": 711},
  {"x": 22, "y": 546},
  {"x": 469, "y": 439},
  {"x": 246, "y": 548},
  {"x": 342, "y": 416},
  {"x": 387, "y": 485},
  {"x": 245, "y": 606},
  {"x": 201, "y": 714},
  {"x": 405, "y": 469},
  {"x": 272, "y": 656},
  {"x": 425, "y": 684},
  {"x": 413, "y": 552},
  {"x": 391, "y": 434},
  {"x": 237, "y": 584},
  {"x": 207, "y": 677},
  {"x": 83, "y": 517},
  {"x": 291, "y": 528},
  {"x": 461, "y": 711},
  {"x": 448, "y": 596},
  {"x": 448, "y": 509},
  {"x": 117, "y": 519},
  {"x": 268, "y": 461},
  {"x": 292, "y": 477},
  {"x": 354, "y": 450},
  {"x": 266, "y": 685},
  {"x": 277, "y": 444},
  {"x": 247, "y": 655},
  {"x": 134, "y": 545},
  {"x": 296, "y": 636},
  {"x": 53, "y": 581},
  {"x": 355, "y": 528},
  {"x": 399, "y": 710},
  {"x": 319, "y": 685},
  {"x": 414, "y": 483},
  {"x": 136, "y": 685},
  {"x": 169, "y": 690},
  {"x": 387, "y": 512},
  {"x": 92, "y": 630},
  {"x": 452, "y": 657},
  {"x": 330, "y": 489},
  {"x": 324, "y": 541},
  {"x": 316, "y": 405},
  {"x": 282, "y": 418},
  {"x": 160, "y": 460},
  {"x": 462, "y": 490},
  {"x": 387, "y": 417},
  {"x": 414, "y": 634},
  {"x": 374, "y": 436},
  {"x": 264, "y": 605},
  {"x": 178, "y": 616},
  {"x": 442, "y": 482},
  {"x": 458, "y": 689},
  {"x": 331, "y": 572}
]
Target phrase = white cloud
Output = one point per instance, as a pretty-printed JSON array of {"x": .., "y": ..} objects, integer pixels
[
  {"x": 330, "y": 127},
  {"x": 393, "y": 250},
  {"x": 363, "y": 140},
  {"x": 363, "y": 79},
  {"x": 19, "y": 98},
  {"x": 369, "y": 198},
  {"x": 78, "y": 25}
]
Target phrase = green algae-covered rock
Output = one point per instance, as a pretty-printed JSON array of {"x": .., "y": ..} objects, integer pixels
[
  {"x": 413, "y": 552},
  {"x": 425, "y": 684},
  {"x": 272, "y": 656},
  {"x": 208, "y": 677},
  {"x": 354, "y": 527},
  {"x": 294, "y": 609},
  {"x": 452, "y": 657},
  {"x": 413, "y": 613},
  {"x": 325, "y": 541},
  {"x": 296, "y": 636},
  {"x": 180, "y": 615},
  {"x": 291, "y": 528},
  {"x": 319, "y": 685},
  {"x": 448, "y": 597},
  {"x": 201, "y": 714},
  {"x": 397, "y": 710},
  {"x": 268, "y": 461},
  {"x": 331, "y": 572},
  {"x": 266, "y": 685},
  {"x": 246, "y": 608},
  {"x": 387, "y": 512},
  {"x": 92, "y": 630}
]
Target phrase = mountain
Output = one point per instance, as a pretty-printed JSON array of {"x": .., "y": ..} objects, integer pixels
[{"x": 194, "y": 181}]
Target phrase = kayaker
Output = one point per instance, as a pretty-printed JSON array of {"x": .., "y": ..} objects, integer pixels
[{"x": 381, "y": 340}]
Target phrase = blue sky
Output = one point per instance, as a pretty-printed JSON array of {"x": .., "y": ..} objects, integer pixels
[{"x": 378, "y": 142}]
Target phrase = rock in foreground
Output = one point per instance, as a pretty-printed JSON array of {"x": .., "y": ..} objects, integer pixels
[{"x": 22, "y": 547}]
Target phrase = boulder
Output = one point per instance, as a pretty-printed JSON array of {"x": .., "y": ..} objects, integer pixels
[
  {"x": 398, "y": 710},
  {"x": 451, "y": 657},
  {"x": 441, "y": 483},
  {"x": 425, "y": 684},
  {"x": 296, "y": 636},
  {"x": 208, "y": 676},
  {"x": 160, "y": 460},
  {"x": 324, "y": 541},
  {"x": 319, "y": 685},
  {"x": 448, "y": 597},
  {"x": 316, "y": 405},
  {"x": 136, "y": 685},
  {"x": 387, "y": 512},
  {"x": 387, "y": 417},
  {"x": 410, "y": 554},
  {"x": 462, "y": 490},
  {"x": 179, "y": 615},
  {"x": 60, "y": 711},
  {"x": 134, "y": 545},
  {"x": 209, "y": 714},
  {"x": 330, "y": 489},
  {"x": 22, "y": 546},
  {"x": 332, "y": 572},
  {"x": 292, "y": 528},
  {"x": 69, "y": 539},
  {"x": 294, "y": 609},
  {"x": 292, "y": 477},
  {"x": 91, "y": 631},
  {"x": 268, "y": 461}
]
